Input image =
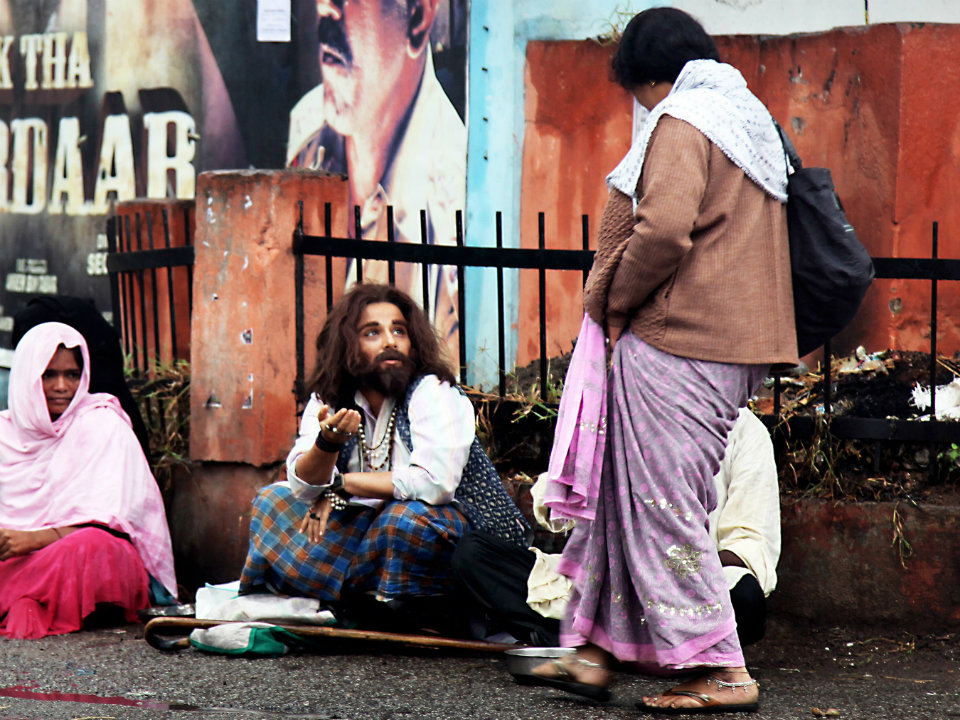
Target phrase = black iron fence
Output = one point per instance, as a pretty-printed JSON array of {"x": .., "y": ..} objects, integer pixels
[
  {"x": 151, "y": 304},
  {"x": 141, "y": 267},
  {"x": 150, "y": 262},
  {"x": 878, "y": 430},
  {"x": 424, "y": 254},
  {"x": 541, "y": 259}
]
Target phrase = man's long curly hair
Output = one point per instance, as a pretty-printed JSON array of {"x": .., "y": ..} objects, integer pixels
[{"x": 339, "y": 358}]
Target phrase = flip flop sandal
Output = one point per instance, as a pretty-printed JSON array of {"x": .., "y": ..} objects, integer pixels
[
  {"x": 710, "y": 705},
  {"x": 564, "y": 682}
]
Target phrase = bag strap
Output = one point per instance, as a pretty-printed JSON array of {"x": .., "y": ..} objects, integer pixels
[{"x": 789, "y": 151}]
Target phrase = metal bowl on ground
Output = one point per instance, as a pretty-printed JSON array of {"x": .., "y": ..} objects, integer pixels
[
  {"x": 184, "y": 610},
  {"x": 520, "y": 661}
]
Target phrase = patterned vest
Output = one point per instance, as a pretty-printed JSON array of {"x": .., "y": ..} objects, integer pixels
[{"x": 480, "y": 495}]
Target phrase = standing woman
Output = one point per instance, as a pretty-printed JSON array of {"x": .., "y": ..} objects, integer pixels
[
  {"x": 691, "y": 284},
  {"x": 82, "y": 523}
]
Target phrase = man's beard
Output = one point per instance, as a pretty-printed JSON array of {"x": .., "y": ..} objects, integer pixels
[{"x": 391, "y": 381}]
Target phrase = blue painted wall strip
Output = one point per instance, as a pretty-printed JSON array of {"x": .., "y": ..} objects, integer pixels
[{"x": 499, "y": 33}]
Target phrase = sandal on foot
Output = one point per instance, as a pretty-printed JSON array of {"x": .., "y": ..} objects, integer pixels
[
  {"x": 564, "y": 680},
  {"x": 709, "y": 704}
]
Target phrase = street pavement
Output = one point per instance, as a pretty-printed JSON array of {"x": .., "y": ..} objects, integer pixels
[{"x": 864, "y": 673}]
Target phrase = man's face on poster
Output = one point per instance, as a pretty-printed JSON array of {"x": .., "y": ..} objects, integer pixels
[{"x": 363, "y": 44}]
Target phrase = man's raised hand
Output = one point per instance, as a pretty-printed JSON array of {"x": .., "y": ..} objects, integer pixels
[{"x": 339, "y": 427}]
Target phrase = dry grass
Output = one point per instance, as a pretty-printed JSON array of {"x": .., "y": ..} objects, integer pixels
[{"x": 164, "y": 399}]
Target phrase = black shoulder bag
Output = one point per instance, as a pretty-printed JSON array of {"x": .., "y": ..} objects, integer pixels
[{"x": 831, "y": 269}]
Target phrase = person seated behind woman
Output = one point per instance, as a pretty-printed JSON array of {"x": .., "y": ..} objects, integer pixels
[{"x": 82, "y": 522}]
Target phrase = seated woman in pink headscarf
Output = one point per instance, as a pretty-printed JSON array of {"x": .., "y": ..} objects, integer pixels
[{"x": 82, "y": 523}]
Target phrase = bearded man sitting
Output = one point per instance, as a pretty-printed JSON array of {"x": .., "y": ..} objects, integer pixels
[{"x": 385, "y": 477}]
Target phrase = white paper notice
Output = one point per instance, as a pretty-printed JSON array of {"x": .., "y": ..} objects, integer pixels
[{"x": 273, "y": 20}]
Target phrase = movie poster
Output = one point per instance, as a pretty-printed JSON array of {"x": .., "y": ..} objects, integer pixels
[
  {"x": 388, "y": 113},
  {"x": 112, "y": 100}
]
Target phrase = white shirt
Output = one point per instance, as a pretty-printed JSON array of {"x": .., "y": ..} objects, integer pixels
[
  {"x": 442, "y": 429},
  {"x": 747, "y": 519}
]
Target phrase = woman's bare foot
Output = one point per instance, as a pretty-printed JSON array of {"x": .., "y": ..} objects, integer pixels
[
  {"x": 584, "y": 672},
  {"x": 721, "y": 688},
  {"x": 588, "y": 665}
]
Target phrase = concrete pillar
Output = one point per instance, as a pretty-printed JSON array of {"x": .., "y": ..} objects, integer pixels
[
  {"x": 243, "y": 411},
  {"x": 209, "y": 515},
  {"x": 242, "y": 406}
]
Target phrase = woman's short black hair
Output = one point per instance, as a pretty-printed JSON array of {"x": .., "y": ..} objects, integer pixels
[{"x": 656, "y": 44}]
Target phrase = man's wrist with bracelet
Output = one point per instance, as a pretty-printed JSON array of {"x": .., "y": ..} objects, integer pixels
[
  {"x": 336, "y": 483},
  {"x": 326, "y": 445},
  {"x": 335, "y": 491}
]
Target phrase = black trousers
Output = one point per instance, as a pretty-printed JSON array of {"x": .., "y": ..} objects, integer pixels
[
  {"x": 491, "y": 577},
  {"x": 750, "y": 607}
]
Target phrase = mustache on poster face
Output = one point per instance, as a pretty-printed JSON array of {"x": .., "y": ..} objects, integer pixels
[{"x": 330, "y": 32}]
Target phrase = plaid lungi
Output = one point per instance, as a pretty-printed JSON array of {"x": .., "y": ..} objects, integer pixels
[{"x": 402, "y": 548}]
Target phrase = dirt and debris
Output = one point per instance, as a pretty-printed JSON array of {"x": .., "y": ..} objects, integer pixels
[
  {"x": 853, "y": 648},
  {"x": 878, "y": 385},
  {"x": 869, "y": 385}
]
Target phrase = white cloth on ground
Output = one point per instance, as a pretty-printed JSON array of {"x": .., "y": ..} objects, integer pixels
[{"x": 222, "y": 602}]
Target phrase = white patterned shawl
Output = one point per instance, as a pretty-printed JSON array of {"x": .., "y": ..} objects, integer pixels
[{"x": 713, "y": 97}]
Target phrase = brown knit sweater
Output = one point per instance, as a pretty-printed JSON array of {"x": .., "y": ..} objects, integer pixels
[{"x": 701, "y": 269}]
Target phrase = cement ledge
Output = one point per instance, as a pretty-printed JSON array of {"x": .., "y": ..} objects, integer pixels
[
  {"x": 869, "y": 563},
  {"x": 842, "y": 563}
]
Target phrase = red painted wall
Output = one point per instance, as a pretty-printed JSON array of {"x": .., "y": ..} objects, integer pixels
[
  {"x": 577, "y": 128},
  {"x": 875, "y": 104}
]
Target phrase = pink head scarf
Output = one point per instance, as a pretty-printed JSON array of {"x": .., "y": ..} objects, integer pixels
[{"x": 85, "y": 466}]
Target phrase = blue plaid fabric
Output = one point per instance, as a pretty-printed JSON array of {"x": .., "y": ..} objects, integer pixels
[{"x": 403, "y": 548}]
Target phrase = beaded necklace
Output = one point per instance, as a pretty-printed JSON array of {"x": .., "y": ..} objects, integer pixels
[{"x": 369, "y": 453}]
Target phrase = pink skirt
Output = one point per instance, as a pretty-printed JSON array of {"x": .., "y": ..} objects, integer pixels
[
  {"x": 51, "y": 591},
  {"x": 647, "y": 582}
]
